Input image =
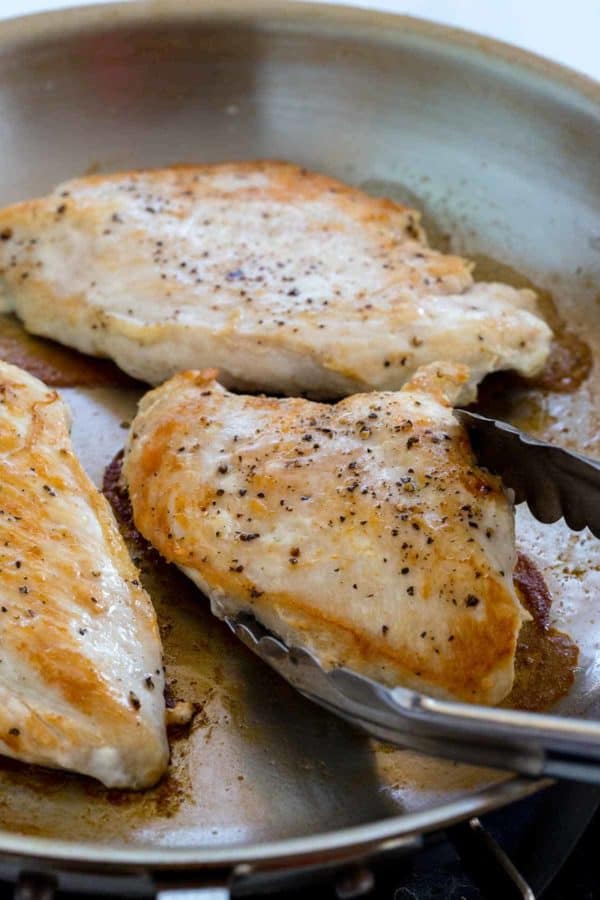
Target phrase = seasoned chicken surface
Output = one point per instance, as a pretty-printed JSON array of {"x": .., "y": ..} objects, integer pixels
[
  {"x": 81, "y": 678},
  {"x": 364, "y": 531},
  {"x": 286, "y": 281}
]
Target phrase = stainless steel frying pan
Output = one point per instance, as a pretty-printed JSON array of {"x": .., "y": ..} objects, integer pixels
[{"x": 501, "y": 150}]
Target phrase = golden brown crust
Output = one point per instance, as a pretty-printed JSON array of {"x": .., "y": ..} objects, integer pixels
[
  {"x": 72, "y": 603},
  {"x": 302, "y": 513}
]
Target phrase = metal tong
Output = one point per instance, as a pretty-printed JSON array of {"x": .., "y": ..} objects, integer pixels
[{"x": 556, "y": 484}]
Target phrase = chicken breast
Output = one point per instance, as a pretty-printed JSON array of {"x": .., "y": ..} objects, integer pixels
[
  {"x": 81, "y": 677},
  {"x": 284, "y": 280},
  {"x": 363, "y": 531}
]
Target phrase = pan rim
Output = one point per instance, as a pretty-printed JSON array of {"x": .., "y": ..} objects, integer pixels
[
  {"x": 323, "y": 16},
  {"x": 322, "y": 848},
  {"x": 378, "y": 26}
]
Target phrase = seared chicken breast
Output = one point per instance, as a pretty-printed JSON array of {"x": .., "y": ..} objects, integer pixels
[
  {"x": 286, "y": 281},
  {"x": 364, "y": 531},
  {"x": 81, "y": 677}
]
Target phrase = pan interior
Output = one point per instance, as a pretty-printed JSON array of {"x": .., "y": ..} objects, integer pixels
[{"x": 503, "y": 161}]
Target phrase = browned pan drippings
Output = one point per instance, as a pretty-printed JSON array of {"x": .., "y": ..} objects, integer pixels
[
  {"x": 570, "y": 361},
  {"x": 55, "y": 365},
  {"x": 546, "y": 658}
]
